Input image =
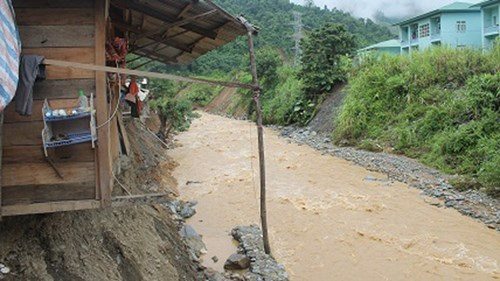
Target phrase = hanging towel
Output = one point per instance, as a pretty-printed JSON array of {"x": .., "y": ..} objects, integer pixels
[
  {"x": 30, "y": 70},
  {"x": 10, "y": 49}
]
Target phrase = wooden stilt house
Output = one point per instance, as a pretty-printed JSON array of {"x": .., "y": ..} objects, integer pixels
[{"x": 80, "y": 176}]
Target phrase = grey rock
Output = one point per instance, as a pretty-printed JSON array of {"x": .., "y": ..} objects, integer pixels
[
  {"x": 212, "y": 275},
  {"x": 188, "y": 231},
  {"x": 370, "y": 178},
  {"x": 173, "y": 206},
  {"x": 449, "y": 203},
  {"x": 437, "y": 193},
  {"x": 193, "y": 240},
  {"x": 187, "y": 211},
  {"x": 262, "y": 266},
  {"x": 237, "y": 262}
]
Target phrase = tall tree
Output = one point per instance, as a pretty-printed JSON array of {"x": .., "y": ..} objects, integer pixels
[
  {"x": 174, "y": 114},
  {"x": 325, "y": 58},
  {"x": 309, "y": 3}
]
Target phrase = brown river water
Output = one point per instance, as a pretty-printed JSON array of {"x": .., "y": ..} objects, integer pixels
[{"x": 328, "y": 221}]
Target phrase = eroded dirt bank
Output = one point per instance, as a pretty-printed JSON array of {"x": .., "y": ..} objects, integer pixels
[{"x": 328, "y": 218}]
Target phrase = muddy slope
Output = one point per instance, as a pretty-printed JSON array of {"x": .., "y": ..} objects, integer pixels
[
  {"x": 323, "y": 122},
  {"x": 128, "y": 243},
  {"x": 229, "y": 103}
]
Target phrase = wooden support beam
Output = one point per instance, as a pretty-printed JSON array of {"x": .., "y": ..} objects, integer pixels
[
  {"x": 228, "y": 16},
  {"x": 124, "y": 135},
  {"x": 103, "y": 134},
  {"x": 74, "y": 205},
  {"x": 169, "y": 26},
  {"x": 186, "y": 8},
  {"x": 163, "y": 17},
  {"x": 113, "y": 127},
  {"x": 145, "y": 199},
  {"x": 33, "y": 194},
  {"x": 139, "y": 73},
  {"x": 192, "y": 46},
  {"x": 50, "y": 207},
  {"x": 136, "y": 30},
  {"x": 157, "y": 56},
  {"x": 143, "y": 64},
  {"x": 165, "y": 38},
  {"x": 134, "y": 59}
]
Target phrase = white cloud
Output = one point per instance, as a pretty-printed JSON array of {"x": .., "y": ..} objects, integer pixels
[{"x": 397, "y": 8}]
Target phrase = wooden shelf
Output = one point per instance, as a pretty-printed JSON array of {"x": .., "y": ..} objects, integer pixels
[
  {"x": 73, "y": 138},
  {"x": 68, "y": 130},
  {"x": 67, "y": 118}
]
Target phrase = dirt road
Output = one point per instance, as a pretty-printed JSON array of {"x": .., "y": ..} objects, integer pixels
[{"x": 329, "y": 219}]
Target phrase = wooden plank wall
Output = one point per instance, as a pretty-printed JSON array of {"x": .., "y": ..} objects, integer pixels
[{"x": 62, "y": 30}]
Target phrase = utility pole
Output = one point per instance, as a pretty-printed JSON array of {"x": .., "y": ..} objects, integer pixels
[
  {"x": 297, "y": 36},
  {"x": 260, "y": 132}
]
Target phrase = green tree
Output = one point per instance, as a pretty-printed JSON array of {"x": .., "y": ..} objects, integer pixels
[
  {"x": 324, "y": 62},
  {"x": 268, "y": 61},
  {"x": 174, "y": 114}
]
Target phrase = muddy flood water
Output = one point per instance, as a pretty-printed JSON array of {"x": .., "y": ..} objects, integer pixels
[{"x": 329, "y": 219}]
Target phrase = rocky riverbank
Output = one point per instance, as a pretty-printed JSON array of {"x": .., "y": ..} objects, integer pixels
[
  {"x": 262, "y": 265},
  {"x": 433, "y": 183},
  {"x": 251, "y": 263}
]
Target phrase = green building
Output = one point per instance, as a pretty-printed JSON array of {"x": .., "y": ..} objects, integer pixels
[
  {"x": 456, "y": 25},
  {"x": 390, "y": 47},
  {"x": 490, "y": 11}
]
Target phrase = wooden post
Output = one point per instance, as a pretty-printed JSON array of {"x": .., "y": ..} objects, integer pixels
[
  {"x": 113, "y": 127},
  {"x": 260, "y": 133},
  {"x": 103, "y": 133},
  {"x": 1, "y": 155}
]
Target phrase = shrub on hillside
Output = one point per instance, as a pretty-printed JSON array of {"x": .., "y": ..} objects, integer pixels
[
  {"x": 325, "y": 59},
  {"x": 285, "y": 103},
  {"x": 201, "y": 94},
  {"x": 175, "y": 114},
  {"x": 440, "y": 105},
  {"x": 268, "y": 61}
]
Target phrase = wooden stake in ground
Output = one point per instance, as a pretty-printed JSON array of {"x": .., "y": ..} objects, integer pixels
[{"x": 260, "y": 133}]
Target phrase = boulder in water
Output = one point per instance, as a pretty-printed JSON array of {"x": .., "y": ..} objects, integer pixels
[{"x": 237, "y": 262}]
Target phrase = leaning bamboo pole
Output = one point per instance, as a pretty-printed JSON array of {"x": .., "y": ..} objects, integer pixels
[
  {"x": 260, "y": 134},
  {"x": 93, "y": 67}
]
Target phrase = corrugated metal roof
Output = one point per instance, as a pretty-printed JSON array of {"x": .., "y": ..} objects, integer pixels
[
  {"x": 174, "y": 31},
  {"x": 487, "y": 3},
  {"x": 456, "y": 6},
  {"x": 451, "y": 8},
  {"x": 393, "y": 43}
]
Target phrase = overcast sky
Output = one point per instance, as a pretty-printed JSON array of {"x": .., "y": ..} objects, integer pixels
[{"x": 397, "y": 8}]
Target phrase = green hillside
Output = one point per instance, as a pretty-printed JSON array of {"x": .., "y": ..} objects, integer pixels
[{"x": 275, "y": 18}]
